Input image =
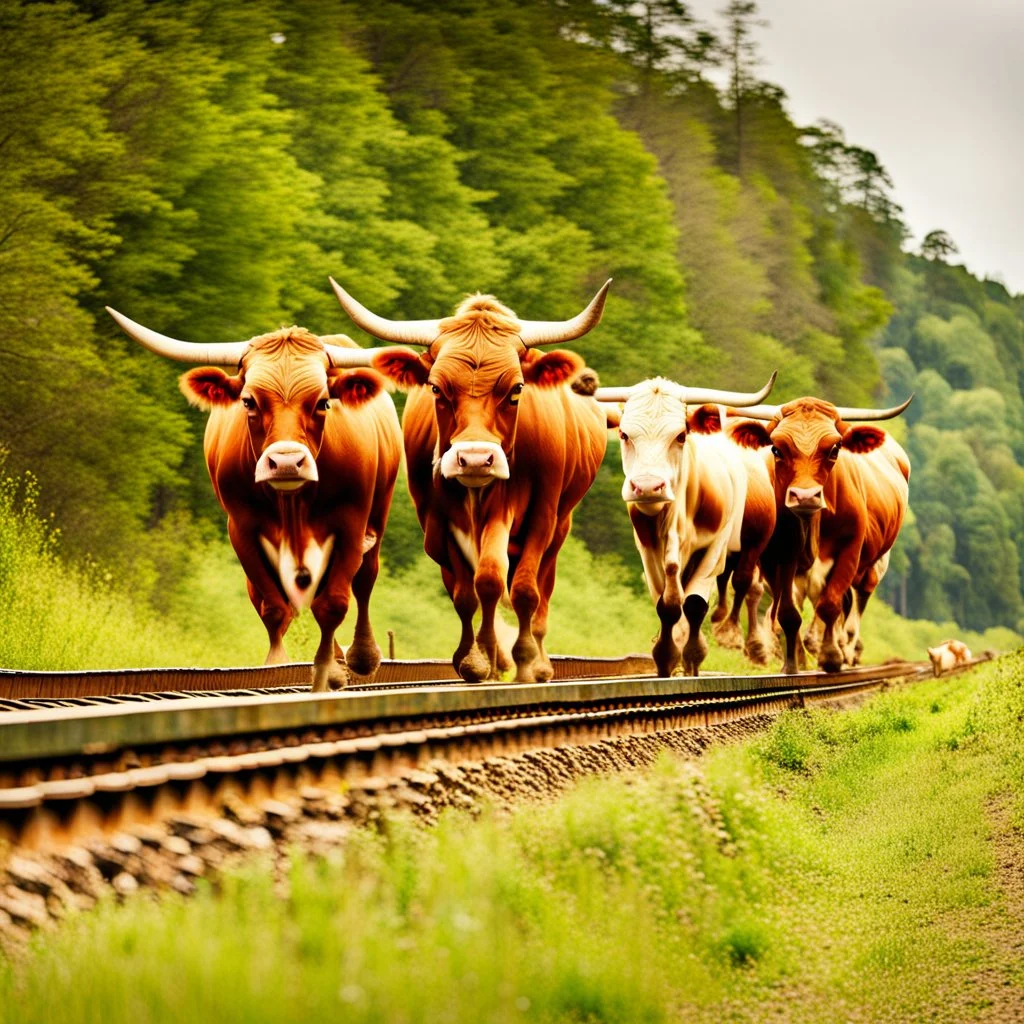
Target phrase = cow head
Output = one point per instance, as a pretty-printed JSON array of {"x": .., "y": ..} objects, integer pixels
[
  {"x": 806, "y": 437},
  {"x": 287, "y": 388},
  {"x": 477, "y": 364},
  {"x": 287, "y": 383},
  {"x": 654, "y": 423}
]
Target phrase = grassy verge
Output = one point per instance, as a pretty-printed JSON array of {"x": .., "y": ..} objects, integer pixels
[{"x": 839, "y": 867}]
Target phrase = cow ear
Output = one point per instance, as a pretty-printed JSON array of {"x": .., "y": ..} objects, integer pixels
[
  {"x": 353, "y": 387},
  {"x": 612, "y": 415},
  {"x": 552, "y": 368},
  {"x": 401, "y": 365},
  {"x": 863, "y": 438},
  {"x": 705, "y": 419},
  {"x": 209, "y": 386},
  {"x": 749, "y": 434}
]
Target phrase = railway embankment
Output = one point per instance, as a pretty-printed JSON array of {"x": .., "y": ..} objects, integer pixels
[{"x": 856, "y": 866}]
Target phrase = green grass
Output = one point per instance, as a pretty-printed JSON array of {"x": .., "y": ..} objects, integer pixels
[
  {"x": 837, "y": 867},
  {"x": 56, "y": 615}
]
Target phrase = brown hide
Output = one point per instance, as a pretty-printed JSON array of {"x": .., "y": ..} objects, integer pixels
[
  {"x": 477, "y": 384},
  {"x": 319, "y": 543}
]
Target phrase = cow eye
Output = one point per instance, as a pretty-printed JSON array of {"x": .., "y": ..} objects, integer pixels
[
  {"x": 623, "y": 436},
  {"x": 834, "y": 451},
  {"x": 513, "y": 395},
  {"x": 681, "y": 438},
  {"x": 435, "y": 389},
  {"x": 249, "y": 403},
  {"x": 776, "y": 452},
  {"x": 323, "y": 405}
]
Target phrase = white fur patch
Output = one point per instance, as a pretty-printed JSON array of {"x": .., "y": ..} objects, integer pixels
[
  {"x": 467, "y": 545},
  {"x": 315, "y": 560}
]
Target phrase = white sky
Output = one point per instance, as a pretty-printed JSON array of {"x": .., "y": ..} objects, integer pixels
[{"x": 935, "y": 88}]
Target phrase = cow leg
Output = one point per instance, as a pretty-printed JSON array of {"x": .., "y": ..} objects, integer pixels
[
  {"x": 276, "y": 619},
  {"x": 722, "y": 607},
  {"x": 666, "y": 647},
  {"x": 363, "y": 654},
  {"x": 789, "y": 619},
  {"x": 468, "y": 660},
  {"x": 264, "y": 589},
  {"x": 542, "y": 667},
  {"x": 489, "y": 582},
  {"x": 695, "y": 649},
  {"x": 728, "y": 631},
  {"x": 330, "y": 606},
  {"x": 756, "y": 647},
  {"x": 830, "y": 606}
]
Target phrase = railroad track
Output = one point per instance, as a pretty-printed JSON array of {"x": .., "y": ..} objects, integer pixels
[{"x": 76, "y": 764}]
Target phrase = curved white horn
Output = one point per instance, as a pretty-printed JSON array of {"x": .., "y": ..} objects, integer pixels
[
  {"x": 739, "y": 399},
  {"x": 550, "y": 332},
  {"x": 759, "y": 412},
  {"x": 614, "y": 394},
  {"x": 225, "y": 353},
  {"x": 349, "y": 355},
  {"x": 405, "y": 332},
  {"x": 847, "y": 413}
]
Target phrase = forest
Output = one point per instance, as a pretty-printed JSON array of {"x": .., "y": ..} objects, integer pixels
[{"x": 203, "y": 166}]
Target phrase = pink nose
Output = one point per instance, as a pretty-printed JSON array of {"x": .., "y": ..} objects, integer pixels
[
  {"x": 472, "y": 460},
  {"x": 286, "y": 464},
  {"x": 647, "y": 486},
  {"x": 804, "y": 498}
]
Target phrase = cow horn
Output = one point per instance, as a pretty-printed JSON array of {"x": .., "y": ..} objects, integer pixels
[
  {"x": 615, "y": 395},
  {"x": 404, "y": 332},
  {"x": 551, "y": 332},
  {"x": 872, "y": 414},
  {"x": 225, "y": 353},
  {"x": 698, "y": 396},
  {"x": 695, "y": 396}
]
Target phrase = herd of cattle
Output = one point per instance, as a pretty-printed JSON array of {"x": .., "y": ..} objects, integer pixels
[{"x": 502, "y": 441}]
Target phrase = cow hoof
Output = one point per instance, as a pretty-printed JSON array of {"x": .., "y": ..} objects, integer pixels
[
  {"x": 505, "y": 661},
  {"x": 756, "y": 652},
  {"x": 721, "y": 611},
  {"x": 475, "y": 666},
  {"x": 831, "y": 659},
  {"x": 363, "y": 661},
  {"x": 331, "y": 674},
  {"x": 728, "y": 634}
]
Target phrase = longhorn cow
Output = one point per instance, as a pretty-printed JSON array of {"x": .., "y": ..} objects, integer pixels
[
  {"x": 499, "y": 450},
  {"x": 841, "y": 495},
  {"x": 303, "y": 447},
  {"x": 686, "y": 492}
]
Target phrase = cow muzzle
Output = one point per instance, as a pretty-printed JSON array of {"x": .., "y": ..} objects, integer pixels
[
  {"x": 474, "y": 463},
  {"x": 286, "y": 466},
  {"x": 805, "y": 501},
  {"x": 647, "y": 489}
]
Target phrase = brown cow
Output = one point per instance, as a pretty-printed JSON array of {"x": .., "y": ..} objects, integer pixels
[
  {"x": 303, "y": 454},
  {"x": 841, "y": 494},
  {"x": 499, "y": 450}
]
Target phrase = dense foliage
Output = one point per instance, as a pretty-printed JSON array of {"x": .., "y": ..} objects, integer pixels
[{"x": 203, "y": 166}]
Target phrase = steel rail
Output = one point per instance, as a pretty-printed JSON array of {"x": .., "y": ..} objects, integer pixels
[
  {"x": 40, "y": 735},
  {"x": 19, "y": 684}
]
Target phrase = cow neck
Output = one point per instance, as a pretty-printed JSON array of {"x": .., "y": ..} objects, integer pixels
[{"x": 293, "y": 517}]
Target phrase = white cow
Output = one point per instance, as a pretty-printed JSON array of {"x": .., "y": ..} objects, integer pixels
[{"x": 685, "y": 493}]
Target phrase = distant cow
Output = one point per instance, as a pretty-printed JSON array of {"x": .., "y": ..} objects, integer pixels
[
  {"x": 686, "y": 493},
  {"x": 841, "y": 495},
  {"x": 303, "y": 453},
  {"x": 948, "y": 655},
  {"x": 500, "y": 450}
]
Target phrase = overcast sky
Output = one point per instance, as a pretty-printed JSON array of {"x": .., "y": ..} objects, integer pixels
[{"x": 935, "y": 88}]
